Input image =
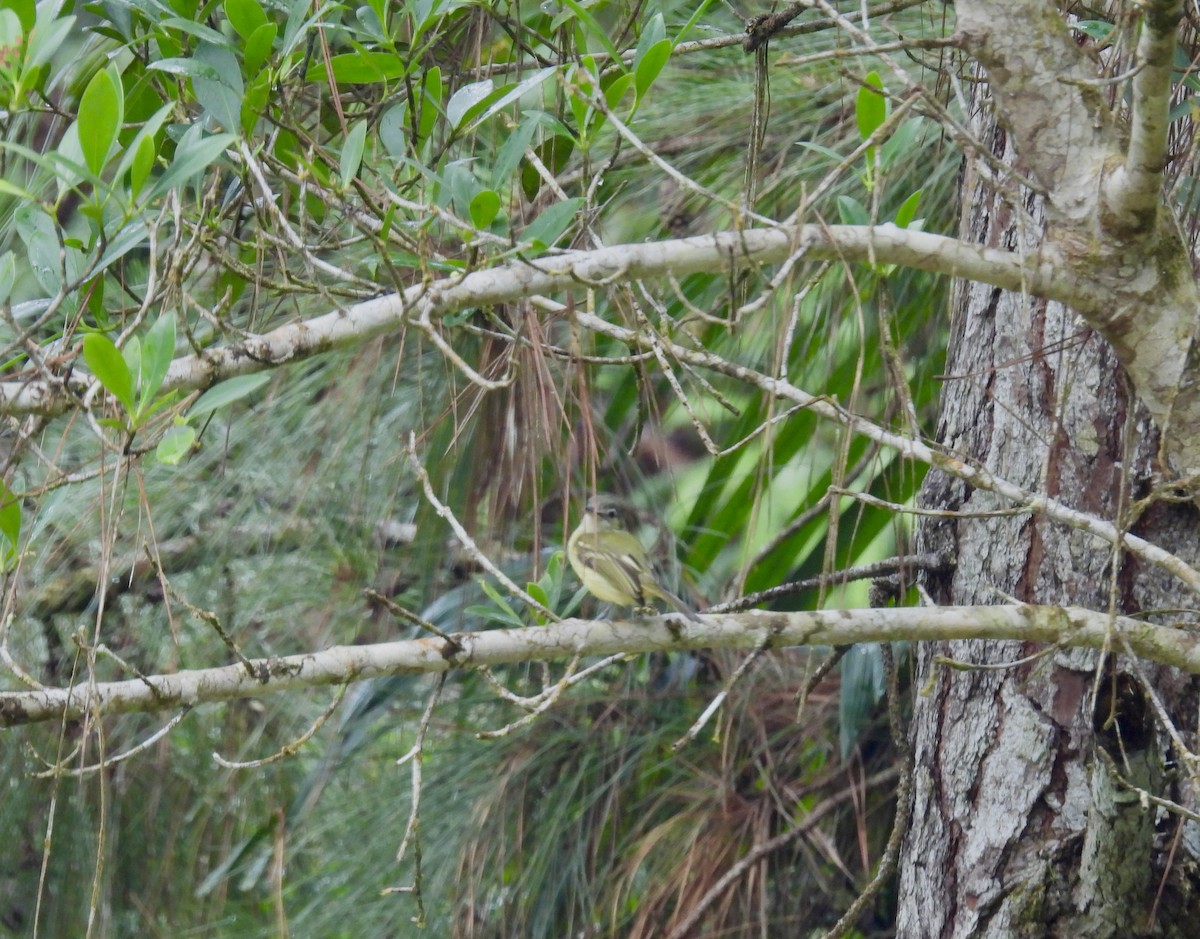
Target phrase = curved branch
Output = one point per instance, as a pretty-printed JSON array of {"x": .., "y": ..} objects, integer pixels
[
  {"x": 1052, "y": 101},
  {"x": 562, "y": 273},
  {"x": 1070, "y": 627},
  {"x": 1134, "y": 191}
]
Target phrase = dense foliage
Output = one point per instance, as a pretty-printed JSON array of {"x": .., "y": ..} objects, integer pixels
[{"x": 178, "y": 177}]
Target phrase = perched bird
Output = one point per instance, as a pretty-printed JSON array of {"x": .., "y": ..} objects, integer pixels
[{"x": 611, "y": 562}]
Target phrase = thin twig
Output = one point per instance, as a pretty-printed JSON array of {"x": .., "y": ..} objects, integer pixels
[
  {"x": 706, "y": 715},
  {"x": 288, "y": 749},
  {"x": 205, "y": 616},
  {"x": 891, "y": 853},
  {"x": 464, "y": 539},
  {"x": 762, "y": 850},
  {"x": 108, "y": 761},
  {"x": 532, "y": 702},
  {"x": 415, "y": 618},
  {"x": 908, "y": 562},
  {"x": 552, "y": 694},
  {"x": 412, "y": 831}
]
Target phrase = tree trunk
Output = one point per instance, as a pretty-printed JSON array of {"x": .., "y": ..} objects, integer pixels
[{"x": 1019, "y": 828}]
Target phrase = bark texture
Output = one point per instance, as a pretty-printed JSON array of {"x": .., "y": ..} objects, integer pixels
[
  {"x": 1102, "y": 215},
  {"x": 1019, "y": 828}
]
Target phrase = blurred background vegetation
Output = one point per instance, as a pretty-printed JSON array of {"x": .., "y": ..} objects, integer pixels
[{"x": 391, "y": 162}]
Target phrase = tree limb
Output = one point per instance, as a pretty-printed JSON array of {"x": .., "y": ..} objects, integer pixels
[
  {"x": 1134, "y": 190},
  {"x": 1101, "y": 201},
  {"x": 1070, "y": 627},
  {"x": 571, "y": 271}
]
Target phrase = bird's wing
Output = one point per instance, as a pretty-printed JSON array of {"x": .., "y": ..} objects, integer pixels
[{"x": 622, "y": 567}]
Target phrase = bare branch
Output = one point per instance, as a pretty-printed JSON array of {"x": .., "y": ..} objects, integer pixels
[
  {"x": 1070, "y": 627},
  {"x": 1134, "y": 191},
  {"x": 522, "y": 279}
]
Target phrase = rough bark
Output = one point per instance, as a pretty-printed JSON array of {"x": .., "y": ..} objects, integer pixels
[
  {"x": 1019, "y": 827},
  {"x": 1101, "y": 177}
]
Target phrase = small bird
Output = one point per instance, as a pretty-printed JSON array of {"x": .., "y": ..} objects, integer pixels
[{"x": 611, "y": 562}]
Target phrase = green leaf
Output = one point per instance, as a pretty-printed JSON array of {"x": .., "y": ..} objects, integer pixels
[
  {"x": 13, "y": 27},
  {"x": 191, "y": 159},
  {"x": 8, "y": 275},
  {"x": 68, "y": 162},
  {"x": 158, "y": 351},
  {"x": 101, "y": 111},
  {"x": 512, "y": 151},
  {"x": 363, "y": 67},
  {"x": 583, "y": 78},
  {"x": 297, "y": 27},
  {"x": 554, "y": 152},
  {"x": 595, "y": 31},
  {"x": 1094, "y": 29},
  {"x": 647, "y": 67},
  {"x": 227, "y": 392},
  {"x": 871, "y": 108},
  {"x": 861, "y": 688},
  {"x": 555, "y": 567},
  {"x": 10, "y": 524},
  {"x": 168, "y": 46},
  {"x": 95, "y": 304},
  {"x": 108, "y": 365},
  {"x": 505, "y": 613},
  {"x": 132, "y": 354},
  {"x": 852, "y": 212},
  {"x": 503, "y": 97},
  {"x": 254, "y": 102},
  {"x": 372, "y": 18},
  {"x": 138, "y": 158},
  {"x": 222, "y": 96},
  {"x": 551, "y": 584},
  {"x": 653, "y": 32},
  {"x": 484, "y": 208},
  {"x": 393, "y": 130},
  {"x": 187, "y": 68},
  {"x": 245, "y": 16},
  {"x": 143, "y": 162},
  {"x": 258, "y": 47},
  {"x": 823, "y": 150},
  {"x": 538, "y": 593},
  {"x": 10, "y": 189},
  {"x": 902, "y": 145},
  {"x": 133, "y": 235},
  {"x": 161, "y": 403},
  {"x": 39, "y": 233},
  {"x": 701, "y": 9},
  {"x": 175, "y": 444},
  {"x": 205, "y": 34},
  {"x": 548, "y": 227},
  {"x": 47, "y": 35},
  {"x": 615, "y": 90},
  {"x": 467, "y": 97},
  {"x": 1181, "y": 109},
  {"x": 457, "y": 186},
  {"x": 430, "y": 104},
  {"x": 352, "y": 152},
  {"x": 423, "y": 13},
  {"x": 908, "y": 210},
  {"x": 490, "y": 614}
]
